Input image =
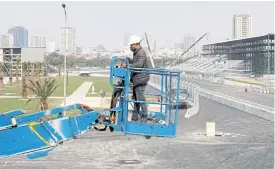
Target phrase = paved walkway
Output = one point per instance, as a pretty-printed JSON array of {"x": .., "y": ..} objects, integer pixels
[{"x": 79, "y": 94}]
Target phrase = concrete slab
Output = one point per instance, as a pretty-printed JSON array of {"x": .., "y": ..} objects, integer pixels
[{"x": 250, "y": 145}]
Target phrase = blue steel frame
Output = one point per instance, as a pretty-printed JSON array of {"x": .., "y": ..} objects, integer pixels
[{"x": 153, "y": 129}]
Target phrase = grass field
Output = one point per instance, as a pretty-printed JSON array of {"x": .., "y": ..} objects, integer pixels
[
  {"x": 12, "y": 104},
  {"x": 100, "y": 83},
  {"x": 13, "y": 90},
  {"x": 73, "y": 83}
]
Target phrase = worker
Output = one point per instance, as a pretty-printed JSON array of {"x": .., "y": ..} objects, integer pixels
[
  {"x": 138, "y": 80},
  {"x": 102, "y": 93},
  {"x": 245, "y": 89}
]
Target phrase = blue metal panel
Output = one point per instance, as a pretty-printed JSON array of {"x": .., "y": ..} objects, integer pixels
[
  {"x": 34, "y": 137},
  {"x": 39, "y": 153},
  {"x": 120, "y": 72},
  {"x": 19, "y": 140},
  {"x": 150, "y": 129},
  {"x": 84, "y": 121},
  {"x": 54, "y": 134},
  {"x": 5, "y": 118},
  {"x": 156, "y": 115}
]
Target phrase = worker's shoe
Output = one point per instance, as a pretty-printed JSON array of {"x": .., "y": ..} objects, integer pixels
[{"x": 143, "y": 119}]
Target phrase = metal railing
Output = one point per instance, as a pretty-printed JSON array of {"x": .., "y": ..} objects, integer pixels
[{"x": 192, "y": 90}]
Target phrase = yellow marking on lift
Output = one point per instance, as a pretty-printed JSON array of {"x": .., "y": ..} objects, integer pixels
[{"x": 31, "y": 126}]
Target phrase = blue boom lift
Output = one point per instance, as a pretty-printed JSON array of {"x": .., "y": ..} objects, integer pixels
[{"x": 36, "y": 134}]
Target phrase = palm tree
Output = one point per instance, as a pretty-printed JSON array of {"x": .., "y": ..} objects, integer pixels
[
  {"x": 1, "y": 75},
  {"x": 42, "y": 88}
]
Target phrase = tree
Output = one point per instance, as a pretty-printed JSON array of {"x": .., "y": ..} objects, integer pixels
[
  {"x": 10, "y": 74},
  {"x": 41, "y": 69},
  {"x": 1, "y": 75},
  {"x": 42, "y": 88},
  {"x": 33, "y": 70},
  {"x": 56, "y": 60},
  {"x": 24, "y": 84},
  {"x": 17, "y": 69},
  {"x": 28, "y": 64}
]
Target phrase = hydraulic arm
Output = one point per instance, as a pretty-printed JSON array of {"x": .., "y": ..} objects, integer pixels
[{"x": 38, "y": 133}]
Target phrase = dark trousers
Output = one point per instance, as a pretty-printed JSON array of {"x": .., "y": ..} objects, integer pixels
[{"x": 140, "y": 109}]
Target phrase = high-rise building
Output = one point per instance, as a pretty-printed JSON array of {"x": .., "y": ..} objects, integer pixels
[
  {"x": 20, "y": 36},
  {"x": 242, "y": 26},
  {"x": 6, "y": 40},
  {"x": 79, "y": 49},
  {"x": 10, "y": 56},
  {"x": 67, "y": 40},
  {"x": 50, "y": 47},
  {"x": 38, "y": 41},
  {"x": 188, "y": 41}
]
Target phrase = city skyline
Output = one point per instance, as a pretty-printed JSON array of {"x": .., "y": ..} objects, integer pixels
[{"x": 97, "y": 31}]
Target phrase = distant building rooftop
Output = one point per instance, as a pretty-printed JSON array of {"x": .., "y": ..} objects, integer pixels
[{"x": 271, "y": 36}]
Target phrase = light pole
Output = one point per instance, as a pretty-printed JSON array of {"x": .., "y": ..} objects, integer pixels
[{"x": 65, "y": 60}]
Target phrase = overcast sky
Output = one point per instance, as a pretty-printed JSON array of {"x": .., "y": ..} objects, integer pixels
[{"x": 107, "y": 22}]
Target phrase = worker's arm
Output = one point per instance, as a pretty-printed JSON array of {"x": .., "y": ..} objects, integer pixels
[
  {"x": 130, "y": 60},
  {"x": 141, "y": 58}
]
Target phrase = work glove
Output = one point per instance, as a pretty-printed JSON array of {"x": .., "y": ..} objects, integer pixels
[{"x": 123, "y": 65}]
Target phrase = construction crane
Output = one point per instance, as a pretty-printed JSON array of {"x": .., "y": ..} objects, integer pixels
[
  {"x": 175, "y": 61},
  {"x": 35, "y": 135},
  {"x": 151, "y": 56}
]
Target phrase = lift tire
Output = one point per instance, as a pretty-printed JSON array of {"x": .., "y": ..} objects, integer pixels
[{"x": 147, "y": 137}]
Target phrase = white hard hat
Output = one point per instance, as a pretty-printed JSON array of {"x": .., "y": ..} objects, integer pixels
[{"x": 134, "y": 39}]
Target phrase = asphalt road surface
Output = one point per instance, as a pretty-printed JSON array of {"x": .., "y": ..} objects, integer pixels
[
  {"x": 247, "y": 144},
  {"x": 236, "y": 91}
]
